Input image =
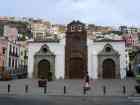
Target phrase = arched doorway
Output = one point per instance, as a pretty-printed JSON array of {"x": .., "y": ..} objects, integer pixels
[
  {"x": 108, "y": 69},
  {"x": 44, "y": 70}
]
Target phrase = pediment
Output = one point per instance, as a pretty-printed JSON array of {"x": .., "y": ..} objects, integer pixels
[
  {"x": 44, "y": 50},
  {"x": 108, "y": 50}
]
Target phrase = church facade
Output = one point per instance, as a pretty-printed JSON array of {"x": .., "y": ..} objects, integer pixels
[{"x": 73, "y": 56}]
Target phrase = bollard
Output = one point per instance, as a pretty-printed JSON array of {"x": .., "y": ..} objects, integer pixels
[
  {"x": 84, "y": 90},
  {"x": 124, "y": 90},
  {"x": 9, "y": 86},
  {"x": 104, "y": 90},
  {"x": 45, "y": 89},
  {"x": 64, "y": 89},
  {"x": 26, "y": 88}
]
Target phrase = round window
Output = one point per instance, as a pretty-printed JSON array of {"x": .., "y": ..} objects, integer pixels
[
  {"x": 108, "y": 49},
  {"x": 45, "y": 49}
]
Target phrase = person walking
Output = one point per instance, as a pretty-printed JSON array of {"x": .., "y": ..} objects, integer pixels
[{"x": 87, "y": 81}]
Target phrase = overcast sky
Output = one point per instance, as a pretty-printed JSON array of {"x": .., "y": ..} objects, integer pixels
[{"x": 100, "y": 12}]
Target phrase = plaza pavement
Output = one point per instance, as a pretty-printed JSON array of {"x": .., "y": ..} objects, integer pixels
[
  {"x": 69, "y": 100},
  {"x": 114, "y": 87}
]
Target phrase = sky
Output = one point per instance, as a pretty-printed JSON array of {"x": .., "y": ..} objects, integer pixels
[{"x": 100, "y": 12}]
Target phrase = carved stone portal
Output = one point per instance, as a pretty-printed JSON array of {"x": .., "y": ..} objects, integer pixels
[
  {"x": 108, "y": 63},
  {"x": 44, "y": 64}
]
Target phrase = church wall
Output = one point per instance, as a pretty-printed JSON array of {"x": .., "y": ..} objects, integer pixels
[
  {"x": 56, "y": 48},
  {"x": 92, "y": 60},
  {"x": 59, "y": 66},
  {"x": 93, "y": 50}
]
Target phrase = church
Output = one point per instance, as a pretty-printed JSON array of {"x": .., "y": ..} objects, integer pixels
[{"x": 76, "y": 54}]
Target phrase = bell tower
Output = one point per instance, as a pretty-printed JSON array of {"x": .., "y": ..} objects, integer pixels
[{"x": 76, "y": 50}]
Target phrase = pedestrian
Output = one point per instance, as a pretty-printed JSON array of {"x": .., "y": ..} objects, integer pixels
[{"x": 87, "y": 81}]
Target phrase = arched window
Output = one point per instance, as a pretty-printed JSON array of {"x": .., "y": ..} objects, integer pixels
[
  {"x": 13, "y": 63},
  {"x": 9, "y": 62},
  {"x": 10, "y": 49},
  {"x": 13, "y": 50}
]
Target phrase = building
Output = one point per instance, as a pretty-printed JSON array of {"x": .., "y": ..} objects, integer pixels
[
  {"x": 102, "y": 29},
  {"x": 107, "y": 58},
  {"x": 39, "y": 28},
  {"x": 12, "y": 61},
  {"x": 3, "y": 48},
  {"x": 57, "y": 29},
  {"x": 46, "y": 57},
  {"x": 13, "y": 58},
  {"x": 23, "y": 59},
  {"x": 123, "y": 29},
  {"x": 75, "y": 55},
  {"x": 10, "y": 32},
  {"x": 130, "y": 30},
  {"x": 76, "y": 50},
  {"x": 10, "y": 56}
]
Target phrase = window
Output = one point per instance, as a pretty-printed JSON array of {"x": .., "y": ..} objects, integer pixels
[
  {"x": 79, "y": 28},
  {"x": 72, "y": 28},
  {"x": 16, "y": 64},
  {"x": 9, "y": 62},
  {"x": 13, "y": 63},
  {"x": 108, "y": 49},
  {"x": 139, "y": 38},
  {"x": 45, "y": 50},
  {"x": 25, "y": 53},
  {"x": 21, "y": 53},
  {"x": 10, "y": 48},
  {"x": 4, "y": 50},
  {"x": 14, "y": 50}
]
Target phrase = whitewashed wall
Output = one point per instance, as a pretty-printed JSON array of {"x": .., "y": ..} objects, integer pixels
[
  {"x": 95, "y": 47},
  {"x": 56, "y": 48}
]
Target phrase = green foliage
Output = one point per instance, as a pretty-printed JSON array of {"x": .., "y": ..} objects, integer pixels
[
  {"x": 117, "y": 32},
  {"x": 23, "y": 28},
  {"x": 132, "y": 55}
]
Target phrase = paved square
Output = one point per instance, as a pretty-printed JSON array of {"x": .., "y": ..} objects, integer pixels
[{"x": 73, "y": 87}]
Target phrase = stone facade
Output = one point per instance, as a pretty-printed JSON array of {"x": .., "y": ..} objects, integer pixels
[
  {"x": 109, "y": 53},
  {"x": 76, "y": 50},
  {"x": 44, "y": 54}
]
